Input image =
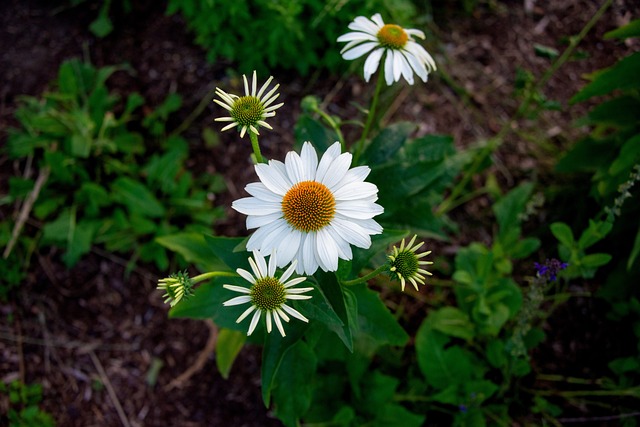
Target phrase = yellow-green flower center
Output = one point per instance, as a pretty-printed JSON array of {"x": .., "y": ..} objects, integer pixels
[
  {"x": 247, "y": 110},
  {"x": 392, "y": 36},
  {"x": 267, "y": 294},
  {"x": 405, "y": 264},
  {"x": 308, "y": 206}
]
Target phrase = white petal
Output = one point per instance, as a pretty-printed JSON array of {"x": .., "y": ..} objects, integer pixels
[
  {"x": 246, "y": 275},
  {"x": 344, "y": 249},
  {"x": 256, "y": 240},
  {"x": 254, "y": 83},
  {"x": 254, "y": 322},
  {"x": 260, "y": 191},
  {"x": 276, "y": 318},
  {"x": 245, "y": 314},
  {"x": 282, "y": 314},
  {"x": 369, "y": 225},
  {"x": 262, "y": 264},
  {"x": 288, "y": 247},
  {"x": 268, "y": 318},
  {"x": 288, "y": 272},
  {"x": 308, "y": 255},
  {"x": 294, "y": 167},
  {"x": 327, "y": 251},
  {"x": 397, "y": 65},
  {"x": 357, "y": 35},
  {"x": 264, "y": 87},
  {"x": 365, "y": 25},
  {"x": 358, "y": 209},
  {"x": 255, "y": 221},
  {"x": 246, "y": 85},
  {"x": 299, "y": 291},
  {"x": 294, "y": 313},
  {"x": 253, "y": 206},
  {"x": 273, "y": 264},
  {"x": 414, "y": 32},
  {"x": 388, "y": 68},
  {"x": 243, "y": 299},
  {"x": 293, "y": 282},
  {"x": 309, "y": 161},
  {"x": 407, "y": 72},
  {"x": 327, "y": 159},
  {"x": 357, "y": 174},
  {"x": 237, "y": 288},
  {"x": 298, "y": 297},
  {"x": 352, "y": 233},
  {"x": 372, "y": 62},
  {"x": 272, "y": 178},
  {"x": 355, "y": 190},
  {"x": 417, "y": 66},
  {"x": 337, "y": 170},
  {"x": 255, "y": 268},
  {"x": 378, "y": 19},
  {"x": 358, "y": 51},
  {"x": 275, "y": 236}
]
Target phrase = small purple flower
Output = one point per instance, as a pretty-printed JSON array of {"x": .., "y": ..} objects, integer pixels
[
  {"x": 462, "y": 408},
  {"x": 550, "y": 269}
]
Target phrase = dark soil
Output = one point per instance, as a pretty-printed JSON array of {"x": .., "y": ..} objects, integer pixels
[{"x": 93, "y": 334}]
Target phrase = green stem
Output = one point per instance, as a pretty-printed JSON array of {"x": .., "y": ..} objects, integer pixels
[
  {"x": 256, "y": 147},
  {"x": 496, "y": 141},
  {"x": 195, "y": 113},
  {"x": 634, "y": 392},
  {"x": 370, "y": 117},
  {"x": 336, "y": 128},
  {"x": 211, "y": 274},
  {"x": 369, "y": 276}
]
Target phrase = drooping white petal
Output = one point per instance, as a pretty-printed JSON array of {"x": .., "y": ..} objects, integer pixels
[
  {"x": 397, "y": 65},
  {"x": 288, "y": 247},
  {"x": 372, "y": 62},
  {"x": 276, "y": 318},
  {"x": 243, "y": 299},
  {"x": 358, "y": 51},
  {"x": 267, "y": 315},
  {"x": 254, "y": 322},
  {"x": 294, "y": 313},
  {"x": 388, "y": 67},
  {"x": 352, "y": 233},
  {"x": 245, "y": 314},
  {"x": 414, "y": 32},
  {"x": 256, "y": 240},
  {"x": 309, "y": 263},
  {"x": 407, "y": 73},
  {"x": 327, "y": 251}
]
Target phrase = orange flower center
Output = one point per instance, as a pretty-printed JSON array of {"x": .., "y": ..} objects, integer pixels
[
  {"x": 392, "y": 36},
  {"x": 308, "y": 206}
]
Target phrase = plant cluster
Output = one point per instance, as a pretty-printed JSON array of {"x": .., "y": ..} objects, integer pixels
[{"x": 105, "y": 177}]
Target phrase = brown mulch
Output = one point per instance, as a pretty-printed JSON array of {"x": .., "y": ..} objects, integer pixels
[{"x": 99, "y": 340}]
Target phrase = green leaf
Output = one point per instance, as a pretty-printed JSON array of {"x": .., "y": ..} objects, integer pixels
[
  {"x": 274, "y": 351},
  {"x": 595, "y": 260},
  {"x": 379, "y": 243},
  {"x": 194, "y": 249},
  {"x": 495, "y": 353},
  {"x": 375, "y": 320},
  {"x": 335, "y": 296},
  {"x": 563, "y": 233},
  {"x": 136, "y": 197},
  {"x": 396, "y": 415},
  {"x": 632, "y": 29},
  {"x": 618, "y": 112},
  {"x": 429, "y": 148},
  {"x": 80, "y": 241},
  {"x": 508, "y": 209},
  {"x": 525, "y": 247},
  {"x": 452, "y": 321},
  {"x": 294, "y": 383},
  {"x": 623, "y": 75},
  {"x": 228, "y": 346},
  {"x": 442, "y": 366},
  {"x": 387, "y": 143},
  {"x": 596, "y": 231},
  {"x": 230, "y": 250},
  {"x": 635, "y": 251},
  {"x": 545, "y": 51},
  {"x": 309, "y": 129}
]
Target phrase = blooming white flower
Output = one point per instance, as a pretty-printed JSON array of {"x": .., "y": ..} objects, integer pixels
[
  {"x": 311, "y": 211},
  {"x": 403, "y": 55},
  {"x": 249, "y": 112},
  {"x": 405, "y": 264},
  {"x": 268, "y": 293}
]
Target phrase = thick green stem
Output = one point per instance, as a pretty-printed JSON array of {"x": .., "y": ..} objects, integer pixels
[
  {"x": 256, "y": 147},
  {"x": 496, "y": 141},
  {"x": 369, "y": 276},
  {"x": 370, "y": 117},
  {"x": 211, "y": 274}
]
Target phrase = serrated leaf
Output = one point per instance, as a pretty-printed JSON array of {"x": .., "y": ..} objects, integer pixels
[
  {"x": 632, "y": 29},
  {"x": 623, "y": 75}
]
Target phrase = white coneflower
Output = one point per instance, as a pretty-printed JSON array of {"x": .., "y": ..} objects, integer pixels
[
  {"x": 406, "y": 265},
  {"x": 268, "y": 293},
  {"x": 249, "y": 112},
  {"x": 311, "y": 211},
  {"x": 403, "y": 55}
]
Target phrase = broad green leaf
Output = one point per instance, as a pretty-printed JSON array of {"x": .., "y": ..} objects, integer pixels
[
  {"x": 136, "y": 197},
  {"x": 102, "y": 26},
  {"x": 442, "y": 366},
  {"x": 623, "y": 75},
  {"x": 228, "y": 346},
  {"x": 495, "y": 353},
  {"x": 632, "y": 29},
  {"x": 275, "y": 349},
  {"x": 523, "y": 248},
  {"x": 194, "y": 249},
  {"x": 230, "y": 250},
  {"x": 294, "y": 383},
  {"x": 595, "y": 260},
  {"x": 387, "y": 143},
  {"x": 563, "y": 233},
  {"x": 596, "y": 231},
  {"x": 375, "y": 319},
  {"x": 319, "y": 309},
  {"x": 396, "y": 415},
  {"x": 80, "y": 241},
  {"x": 335, "y": 296},
  {"x": 80, "y": 146},
  {"x": 618, "y": 112},
  {"x": 452, "y": 321},
  {"x": 377, "y": 389},
  {"x": 429, "y": 148},
  {"x": 629, "y": 156},
  {"x": 510, "y": 207},
  {"x": 309, "y": 129},
  {"x": 92, "y": 197}
]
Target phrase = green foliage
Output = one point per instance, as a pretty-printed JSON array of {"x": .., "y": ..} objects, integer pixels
[
  {"x": 296, "y": 34},
  {"x": 106, "y": 184},
  {"x": 23, "y": 409}
]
